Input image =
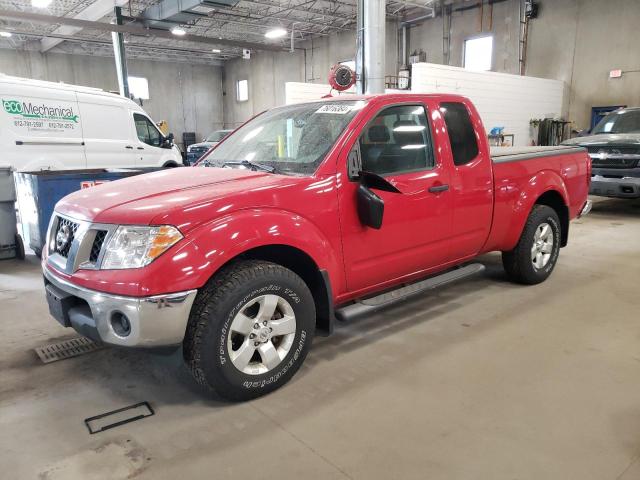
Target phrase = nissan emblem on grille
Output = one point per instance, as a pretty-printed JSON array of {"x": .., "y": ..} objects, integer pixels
[{"x": 63, "y": 237}]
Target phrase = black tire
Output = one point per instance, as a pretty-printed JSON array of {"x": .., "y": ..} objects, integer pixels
[
  {"x": 206, "y": 350},
  {"x": 518, "y": 262},
  {"x": 19, "y": 247}
]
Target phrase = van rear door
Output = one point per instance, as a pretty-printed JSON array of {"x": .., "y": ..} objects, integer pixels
[
  {"x": 107, "y": 136},
  {"x": 41, "y": 127}
]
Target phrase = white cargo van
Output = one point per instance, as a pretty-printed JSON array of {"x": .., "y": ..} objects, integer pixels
[{"x": 47, "y": 125}]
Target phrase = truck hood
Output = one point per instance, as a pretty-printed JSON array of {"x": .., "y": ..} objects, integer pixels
[
  {"x": 606, "y": 139},
  {"x": 183, "y": 197}
]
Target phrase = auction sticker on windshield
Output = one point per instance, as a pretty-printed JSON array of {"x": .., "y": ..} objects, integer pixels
[{"x": 337, "y": 108}]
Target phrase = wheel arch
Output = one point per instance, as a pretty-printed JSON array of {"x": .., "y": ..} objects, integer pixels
[
  {"x": 303, "y": 265},
  {"x": 554, "y": 200}
]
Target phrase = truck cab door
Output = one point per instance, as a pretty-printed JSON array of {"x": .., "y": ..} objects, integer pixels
[
  {"x": 396, "y": 143},
  {"x": 467, "y": 154},
  {"x": 148, "y": 147}
]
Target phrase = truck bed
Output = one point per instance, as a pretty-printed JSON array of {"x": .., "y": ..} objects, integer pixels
[{"x": 512, "y": 154}]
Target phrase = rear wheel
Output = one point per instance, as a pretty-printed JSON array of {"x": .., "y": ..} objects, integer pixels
[
  {"x": 250, "y": 330},
  {"x": 536, "y": 253}
]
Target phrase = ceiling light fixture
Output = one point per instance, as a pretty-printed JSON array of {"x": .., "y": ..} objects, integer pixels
[
  {"x": 40, "y": 3},
  {"x": 276, "y": 33},
  {"x": 215, "y": 50},
  {"x": 5, "y": 34},
  {"x": 179, "y": 32}
]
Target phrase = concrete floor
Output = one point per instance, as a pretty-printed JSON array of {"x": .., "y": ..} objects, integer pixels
[{"x": 480, "y": 380}]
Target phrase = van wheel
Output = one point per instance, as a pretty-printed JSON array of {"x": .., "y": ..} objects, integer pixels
[
  {"x": 536, "y": 254},
  {"x": 250, "y": 330},
  {"x": 170, "y": 165}
]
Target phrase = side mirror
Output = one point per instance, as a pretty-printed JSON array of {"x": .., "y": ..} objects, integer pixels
[
  {"x": 168, "y": 141},
  {"x": 370, "y": 207}
]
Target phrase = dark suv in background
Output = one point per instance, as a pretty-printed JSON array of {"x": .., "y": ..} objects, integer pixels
[
  {"x": 614, "y": 148},
  {"x": 195, "y": 151}
]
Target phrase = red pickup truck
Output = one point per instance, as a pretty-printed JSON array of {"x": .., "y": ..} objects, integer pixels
[{"x": 304, "y": 214}]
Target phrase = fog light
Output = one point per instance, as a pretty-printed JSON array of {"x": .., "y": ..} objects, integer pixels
[{"x": 120, "y": 324}]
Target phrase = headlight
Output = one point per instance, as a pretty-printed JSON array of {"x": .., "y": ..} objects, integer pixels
[
  {"x": 135, "y": 247},
  {"x": 189, "y": 149}
]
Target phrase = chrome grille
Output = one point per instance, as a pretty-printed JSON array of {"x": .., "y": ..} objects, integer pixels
[
  {"x": 66, "y": 231},
  {"x": 614, "y": 156},
  {"x": 84, "y": 246},
  {"x": 96, "y": 247}
]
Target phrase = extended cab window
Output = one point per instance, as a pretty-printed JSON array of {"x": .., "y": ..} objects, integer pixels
[
  {"x": 462, "y": 136},
  {"x": 146, "y": 130},
  {"x": 397, "y": 140}
]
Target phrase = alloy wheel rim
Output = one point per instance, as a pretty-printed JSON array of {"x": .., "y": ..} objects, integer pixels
[
  {"x": 261, "y": 334},
  {"x": 542, "y": 246}
]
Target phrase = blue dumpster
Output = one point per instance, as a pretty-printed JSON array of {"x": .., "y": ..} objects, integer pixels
[{"x": 38, "y": 193}]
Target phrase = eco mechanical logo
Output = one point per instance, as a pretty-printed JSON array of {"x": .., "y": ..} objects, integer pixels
[{"x": 43, "y": 112}]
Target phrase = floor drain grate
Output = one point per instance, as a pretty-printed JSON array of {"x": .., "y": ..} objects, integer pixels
[{"x": 67, "y": 349}]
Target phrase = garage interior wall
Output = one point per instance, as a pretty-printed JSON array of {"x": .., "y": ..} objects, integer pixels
[
  {"x": 562, "y": 46},
  {"x": 267, "y": 72},
  {"x": 188, "y": 97},
  {"x": 576, "y": 41}
]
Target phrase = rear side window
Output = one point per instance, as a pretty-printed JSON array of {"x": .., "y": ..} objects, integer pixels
[{"x": 462, "y": 136}]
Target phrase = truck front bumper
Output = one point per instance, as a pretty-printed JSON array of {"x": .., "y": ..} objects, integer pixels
[
  {"x": 619, "y": 186},
  {"x": 156, "y": 321}
]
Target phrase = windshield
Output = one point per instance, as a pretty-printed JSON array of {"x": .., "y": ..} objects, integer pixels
[
  {"x": 620, "y": 121},
  {"x": 217, "y": 136},
  {"x": 291, "y": 140}
]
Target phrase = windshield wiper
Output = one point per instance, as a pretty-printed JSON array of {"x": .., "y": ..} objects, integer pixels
[{"x": 251, "y": 165}]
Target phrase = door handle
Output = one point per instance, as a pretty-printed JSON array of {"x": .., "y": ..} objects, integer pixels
[
  {"x": 140, "y": 148},
  {"x": 439, "y": 188},
  {"x": 129, "y": 147}
]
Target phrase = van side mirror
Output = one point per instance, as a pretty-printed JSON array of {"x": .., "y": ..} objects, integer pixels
[{"x": 168, "y": 141}]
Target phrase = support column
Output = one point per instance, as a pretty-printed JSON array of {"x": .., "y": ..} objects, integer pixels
[
  {"x": 374, "y": 20},
  {"x": 120, "y": 57}
]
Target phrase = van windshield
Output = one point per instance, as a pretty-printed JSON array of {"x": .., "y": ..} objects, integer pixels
[{"x": 289, "y": 140}]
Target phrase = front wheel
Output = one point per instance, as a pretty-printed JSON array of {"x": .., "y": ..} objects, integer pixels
[
  {"x": 250, "y": 330},
  {"x": 536, "y": 253}
]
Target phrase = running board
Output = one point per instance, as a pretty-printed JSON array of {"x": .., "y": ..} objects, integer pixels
[{"x": 372, "y": 304}]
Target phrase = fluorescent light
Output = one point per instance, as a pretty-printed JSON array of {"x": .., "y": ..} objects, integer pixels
[
  {"x": 40, "y": 3},
  {"x": 413, "y": 147},
  {"x": 215, "y": 50},
  {"x": 5, "y": 34},
  {"x": 276, "y": 33},
  {"x": 409, "y": 128},
  {"x": 178, "y": 31}
]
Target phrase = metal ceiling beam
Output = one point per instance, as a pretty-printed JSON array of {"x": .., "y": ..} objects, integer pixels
[
  {"x": 297, "y": 8},
  {"x": 133, "y": 30},
  {"x": 95, "y": 11},
  {"x": 216, "y": 57}
]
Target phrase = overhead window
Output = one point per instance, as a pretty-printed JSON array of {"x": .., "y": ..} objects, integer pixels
[
  {"x": 462, "y": 136},
  {"x": 478, "y": 53},
  {"x": 139, "y": 87},
  {"x": 242, "y": 90}
]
